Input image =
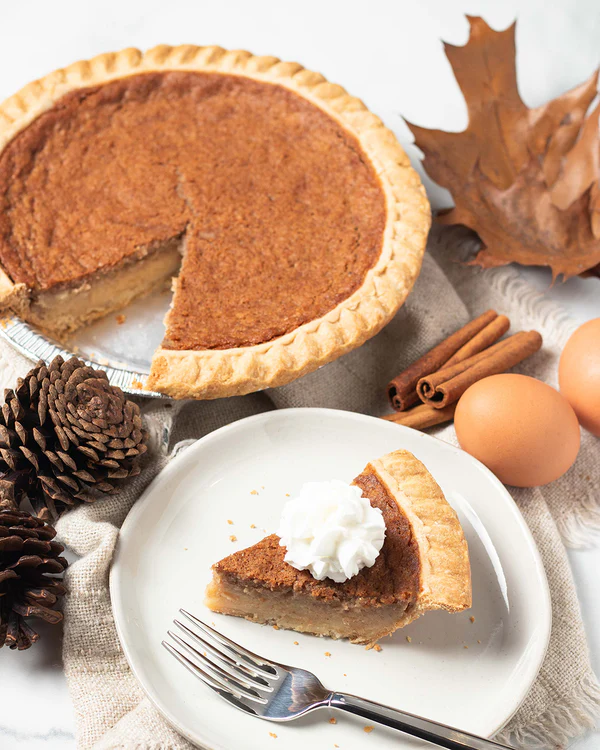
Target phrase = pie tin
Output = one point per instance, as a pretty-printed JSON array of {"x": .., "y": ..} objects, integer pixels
[{"x": 35, "y": 345}]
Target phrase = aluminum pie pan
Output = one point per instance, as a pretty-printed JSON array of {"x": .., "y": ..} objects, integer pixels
[{"x": 35, "y": 345}]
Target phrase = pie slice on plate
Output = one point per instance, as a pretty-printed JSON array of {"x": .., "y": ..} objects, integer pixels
[
  {"x": 289, "y": 214},
  {"x": 423, "y": 565}
]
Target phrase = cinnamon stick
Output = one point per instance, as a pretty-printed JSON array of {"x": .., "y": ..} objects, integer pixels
[
  {"x": 422, "y": 416},
  {"x": 482, "y": 340},
  {"x": 402, "y": 389},
  {"x": 448, "y": 384}
]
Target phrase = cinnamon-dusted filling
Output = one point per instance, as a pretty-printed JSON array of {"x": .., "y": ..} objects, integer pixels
[
  {"x": 280, "y": 215},
  {"x": 393, "y": 579}
]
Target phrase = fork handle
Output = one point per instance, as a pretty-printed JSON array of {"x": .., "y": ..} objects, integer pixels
[{"x": 424, "y": 729}]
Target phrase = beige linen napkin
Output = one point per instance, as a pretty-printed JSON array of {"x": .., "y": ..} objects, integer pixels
[{"x": 111, "y": 709}]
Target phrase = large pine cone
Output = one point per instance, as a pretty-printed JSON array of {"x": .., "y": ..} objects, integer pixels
[
  {"x": 66, "y": 435},
  {"x": 29, "y": 563}
]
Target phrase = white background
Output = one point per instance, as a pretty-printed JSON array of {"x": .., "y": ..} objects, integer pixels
[{"x": 387, "y": 53}]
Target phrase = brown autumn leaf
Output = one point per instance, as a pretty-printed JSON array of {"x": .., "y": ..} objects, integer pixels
[{"x": 526, "y": 180}]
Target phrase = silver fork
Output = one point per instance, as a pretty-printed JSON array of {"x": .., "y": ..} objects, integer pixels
[{"x": 276, "y": 692}]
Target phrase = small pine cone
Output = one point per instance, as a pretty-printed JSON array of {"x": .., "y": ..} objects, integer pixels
[
  {"x": 66, "y": 436},
  {"x": 29, "y": 587}
]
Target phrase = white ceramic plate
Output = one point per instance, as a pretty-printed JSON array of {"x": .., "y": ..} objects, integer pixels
[{"x": 472, "y": 675}]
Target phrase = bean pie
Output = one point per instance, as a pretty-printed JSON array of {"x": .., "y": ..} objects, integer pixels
[
  {"x": 287, "y": 214},
  {"x": 423, "y": 565}
]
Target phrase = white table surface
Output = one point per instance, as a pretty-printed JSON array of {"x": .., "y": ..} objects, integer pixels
[{"x": 388, "y": 54}]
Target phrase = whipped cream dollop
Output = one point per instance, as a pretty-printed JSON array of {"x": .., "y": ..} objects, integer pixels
[{"x": 331, "y": 530}]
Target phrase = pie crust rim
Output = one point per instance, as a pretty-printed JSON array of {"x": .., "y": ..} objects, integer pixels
[
  {"x": 216, "y": 373},
  {"x": 445, "y": 567}
]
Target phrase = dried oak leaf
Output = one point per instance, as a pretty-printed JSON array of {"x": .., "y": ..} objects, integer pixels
[{"x": 526, "y": 180}]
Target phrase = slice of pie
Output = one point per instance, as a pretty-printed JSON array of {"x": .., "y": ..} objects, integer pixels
[
  {"x": 289, "y": 214},
  {"x": 423, "y": 565}
]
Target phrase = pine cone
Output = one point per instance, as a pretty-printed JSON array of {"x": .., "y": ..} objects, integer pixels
[
  {"x": 66, "y": 435},
  {"x": 27, "y": 556}
]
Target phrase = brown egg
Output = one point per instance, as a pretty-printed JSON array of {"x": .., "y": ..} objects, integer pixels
[
  {"x": 579, "y": 374},
  {"x": 520, "y": 428}
]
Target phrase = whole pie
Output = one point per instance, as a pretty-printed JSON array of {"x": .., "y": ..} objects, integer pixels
[
  {"x": 423, "y": 565},
  {"x": 289, "y": 215}
]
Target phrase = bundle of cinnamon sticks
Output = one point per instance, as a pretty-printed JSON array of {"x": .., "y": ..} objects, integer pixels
[{"x": 426, "y": 393}]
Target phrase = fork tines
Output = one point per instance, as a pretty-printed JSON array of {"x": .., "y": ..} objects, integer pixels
[{"x": 233, "y": 672}]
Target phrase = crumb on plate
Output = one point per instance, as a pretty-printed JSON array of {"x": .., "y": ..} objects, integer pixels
[
  {"x": 296, "y": 643},
  {"x": 377, "y": 647},
  {"x": 333, "y": 720},
  {"x": 409, "y": 639},
  {"x": 233, "y": 538},
  {"x": 327, "y": 653},
  {"x": 472, "y": 619},
  {"x": 252, "y": 525},
  {"x": 230, "y": 522},
  {"x": 272, "y": 734},
  {"x": 120, "y": 319},
  {"x": 369, "y": 729},
  {"x": 253, "y": 492}
]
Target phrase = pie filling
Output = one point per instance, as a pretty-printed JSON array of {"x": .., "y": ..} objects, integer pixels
[
  {"x": 257, "y": 583},
  {"x": 334, "y": 619},
  {"x": 65, "y": 308},
  {"x": 280, "y": 212}
]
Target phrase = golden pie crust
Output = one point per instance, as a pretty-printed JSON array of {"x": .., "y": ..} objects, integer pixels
[
  {"x": 215, "y": 373},
  {"x": 445, "y": 581}
]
